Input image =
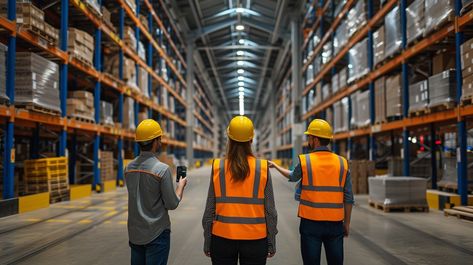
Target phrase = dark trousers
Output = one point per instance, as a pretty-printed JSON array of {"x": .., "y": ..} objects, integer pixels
[
  {"x": 227, "y": 252},
  {"x": 154, "y": 253},
  {"x": 316, "y": 233}
]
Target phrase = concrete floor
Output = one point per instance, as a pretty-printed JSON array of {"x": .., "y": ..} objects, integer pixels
[{"x": 93, "y": 231}]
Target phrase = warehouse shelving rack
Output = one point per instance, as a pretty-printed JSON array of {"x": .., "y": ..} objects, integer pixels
[
  {"x": 68, "y": 127},
  {"x": 453, "y": 29}
]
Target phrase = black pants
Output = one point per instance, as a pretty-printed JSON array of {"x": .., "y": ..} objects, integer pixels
[{"x": 227, "y": 252}]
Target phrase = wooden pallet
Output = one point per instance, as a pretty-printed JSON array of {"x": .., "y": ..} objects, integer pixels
[
  {"x": 81, "y": 118},
  {"x": 442, "y": 106},
  {"x": 394, "y": 118},
  {"x": 461, "y": 212},
  {"x": 466, "y": 100},
  {"x": 40, "y": 33},
  {"x": 79, "y": 59},
  {"x": 419, "y": 112},
  {"x": 399, "y": 208},
  {"x": 40, "y": 109},
  {"x": 59, "y": 196}
]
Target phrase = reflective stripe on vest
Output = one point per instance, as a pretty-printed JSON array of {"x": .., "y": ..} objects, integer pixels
[
  {"x": 240, "y": 205},
  {"x": 323, "y": 180}
]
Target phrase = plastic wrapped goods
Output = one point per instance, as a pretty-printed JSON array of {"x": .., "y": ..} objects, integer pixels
[
  {"x": 437, "y": 12},
  {"x": 418, "y": 96},
  {"x": 128, "y": 114},
  {"x": 326, "y": 91},
  {"x": 341, "y": 37},
  {"x": 358, "y": 61},
  {"x": 3, "y": 71},
  {"x": 36, "y": 81},
  {"x": 378, "y": 45},
  {"x": 356, "y": 17},
  {"x": 141, "y": 50},
  {"x": 398, "y": 191},
  {"x": 342, "y": 82},
  {"x": 309, "y": 74},
  {"x": 393, "y": 96},
  {"x": 340, "y": 113},
  {"x": 380, "y": 100},
  {"x": 354, "y": 109},
  {"x": 415, "y": 20},
  {"x": 392, "y": 24},
  {"x": 327, "y": 52},
  {"x": 363, "y": 109},
  {"x": 466, "y": 5},
  {"x": 335, "y": 83},
  {"x": 106, "y": 113},
  {"x": 442, "y": 88},
  {"x": 143, "y": 81}
]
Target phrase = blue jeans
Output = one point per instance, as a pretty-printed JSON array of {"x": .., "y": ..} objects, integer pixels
[
  {"x": 153, "y": 253},
  {"x": 316, "y": 233}
]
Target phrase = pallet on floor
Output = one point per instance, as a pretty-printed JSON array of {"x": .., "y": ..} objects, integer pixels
[
  {"x": 399, "y": 208},
  {"x": 461, "y": 212}
]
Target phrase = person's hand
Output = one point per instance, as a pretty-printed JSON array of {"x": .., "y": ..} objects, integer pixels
[
  {"x": 183, "y": 182},
  {"x": 346, "y": 229},
  {"x": 207, "y": 253},
  {"x": 271, "y": 254},
  {"x": 271, "y": 164}
]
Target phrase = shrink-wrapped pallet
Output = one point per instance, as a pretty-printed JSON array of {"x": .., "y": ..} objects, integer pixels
[
  {"x": 392, "y": 27},
  {"x": 36, "y": 82},
  {"x": 354, "y": 109},
  {"x": 358, "y": 61},
  {"x": 363, "y": 109},
  {"x": 106, "y": 113},
  {"x": 130, "y": 38},
  {"x": 378, "y": 45},
  {"x": 80, "y": 104},
  {"x": 141, "y": 50},
  {"x": 442, "y": 89},
  {"x": 398, "y": 191},
  {"x": 415, "y": 20},
  {"x": 3, "y": 72},
  {"x": 356, "y": 17},
  {"x": 418, "y": 96},
  {"x": 340, "y": 113},
  {"x": 380, "y": 99},
  {"x": 128, "y": 114},
  {"x": 393, "y": 96},
  {"x": 143, "y": 81},
  {"x": 437, "y": 12},
  {"x": 327, "y": 52},
  {"x": 341, "y": 37},
  {"x": 326, "y": 91},
  {"x": 343, "y": 77},
  {"x": 95, "y": 5},
  {"x": 335, "y": 83},
  {"x": 309, "y": 74}
]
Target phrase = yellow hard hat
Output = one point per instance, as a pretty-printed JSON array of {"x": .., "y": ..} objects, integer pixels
[
  {"x": 148, "y": 130},
  {"x": 320, "y": 128},
  {"x": 240, "y": 129}
]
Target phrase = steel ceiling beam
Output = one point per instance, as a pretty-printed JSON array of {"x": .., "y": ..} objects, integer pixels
[{"x": 241, "y": 47}]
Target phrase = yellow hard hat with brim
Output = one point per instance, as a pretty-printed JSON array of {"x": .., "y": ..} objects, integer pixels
[
  {"x": 320, "y": 128},
  {"x": 240, "y": 129},
  {"x": 148, "y": 130}
]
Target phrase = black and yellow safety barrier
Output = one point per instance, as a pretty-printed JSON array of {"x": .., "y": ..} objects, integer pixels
[
  {"x": 33, "y": 202},
  {"x": 444, "y": 200}
]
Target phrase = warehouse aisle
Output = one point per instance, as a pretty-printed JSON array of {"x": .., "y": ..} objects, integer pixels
[{"x": 95, "y": 232}]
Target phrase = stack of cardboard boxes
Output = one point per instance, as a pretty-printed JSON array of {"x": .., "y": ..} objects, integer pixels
[
  {"x": 360, "y": 170},
  {"x": 467, "y": 69},
  {"x": 106, "y": 113},
  {"x": 418, "y": 96},
  {"x": 80, "y": 104},
  {"x": 81, "y": 46},
  {"x": 107, "y": 167},
  {"x": 393, "y": 96},
  {"x": 380, "y": 99}
]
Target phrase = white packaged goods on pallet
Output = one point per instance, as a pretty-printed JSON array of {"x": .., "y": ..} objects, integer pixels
[
  {"x": 415, "y": 20},
  {"x": 329, "y": 115},
  {"x": 358, "y": 61},
  {"x": 95, "y": 5},
  {"x": 378, "y": 45},
  {"x": 393, "y": 96},
  {"x": 392, "y": 27},
  {"x": 418, "y": 96},
  {"x": 356, "y": 17},
  {"x": 398, "y": 191},
  {"x": 343, "y": 78},
  {"x": 326, "y": 91},
  {"x": 141, "y": 50},
  {"x": 128, "y": 114},
  {"x": 309, "y": 74},
  {"x": 363, "y": 109},
  {"x": 340, "y": 113},
  {"x": 36, "y": 81},
  {"x": 442, "y": 88},
  {"x": 131, "y": 4},
  {"x": 437, "y": 12},
  {"x": 327, "y": 52},
  {"x": 106, "y": 113},
  {"x": 3, "y": 71},
  {"x": 354, "y": 109},
  {"x": 341, "y": 37},
  {"x": 143, "y": 81},
  {"x": 335, "y": 83},
  {"x": 81, "y": 45},
  {"x": 380, "y": 100}
]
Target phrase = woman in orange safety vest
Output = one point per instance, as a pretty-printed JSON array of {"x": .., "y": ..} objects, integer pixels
[{"x": 240, "y": 216}]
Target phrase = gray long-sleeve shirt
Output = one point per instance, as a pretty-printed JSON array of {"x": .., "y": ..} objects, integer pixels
[
  {"x": 150, "y": 195},
  {"x": 269, "y": 209}
]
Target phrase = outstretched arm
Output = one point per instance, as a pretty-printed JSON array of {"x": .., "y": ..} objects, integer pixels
[{"x": 285, "y": 172}]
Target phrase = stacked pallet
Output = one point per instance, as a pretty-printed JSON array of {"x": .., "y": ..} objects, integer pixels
[
  {"x": 107, "y": 18},
  {"x": 31, "y": 18},
  {"x": 3, "y": 72},
  {"x": 467, "y": 70},
  {"x": 107, "y": 168},
  {"x": 94, "y": 6},
  {"x": 437, "y": 13},
  {"x": 130, "y": 39},
  {"x": 415, "y": 20},
  {"x": 360, "y": 171},
  {"x": 378, "y": 45},
  {"x": 392, "y": 26},
  {"x": 80, "y": 106},
  {"x": 143, "y": 81},
  {"x": 380, "y": 100},
  {"x": 106, "y": 113},
  {"x": 128, "y": 114},
  {"x": 47, "y": 175},
  {"x": 111, "y": 65},
  {"x": 36, "y": 81},
  {"x": 442, "y": 89},
  {"x": 81, "y": 46},
  {"x": 419, "y": 97},
  {"x": 393, "y": 97},
  {"x": 358, "y": 61}
]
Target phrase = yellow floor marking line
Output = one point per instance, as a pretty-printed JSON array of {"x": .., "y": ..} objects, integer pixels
[
  {"x": 110, "y": 213},
  {"x": 107, "y": 222},
  {"x": 85, "y": 221},
  {"x": 58, "y": 221},
  {"x": 33, "y": 220},
  {"x": 122, "y": 222},
  {"x": 68, "y": 206}
]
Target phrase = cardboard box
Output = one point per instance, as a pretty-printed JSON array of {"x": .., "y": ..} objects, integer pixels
[
  {"x": 393, "y": 96},
  {"x": 418, "y": 96},
  {"x": 467, "y": 71},
  {"x": 467, "y": 59},
  {"x": 467, "y": 87},
  {"x": 442, "y": 61},
  {"x": 380, "y": 100},
  {"x": 466, "y": 46}
]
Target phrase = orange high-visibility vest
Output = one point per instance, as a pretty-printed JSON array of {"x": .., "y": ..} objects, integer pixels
[
  {"x": 239, "y": 213},
  {"x": 323, "y": 181}
]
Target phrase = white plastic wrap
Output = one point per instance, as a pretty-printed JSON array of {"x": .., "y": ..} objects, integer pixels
[
  {"x": 106, "y": 113},
  {"x": 343, "y": 78},
  {"x": 437, "y": 12},
  {"x": 354, "y": 109},
  {"x": 398, "y": 191},
  {"x": 143, "y": 81},
  {"x": 341, "y": 37},
  {"x": 356, "y": 17},
  {"x": 340, "y": 113},
  {"x": 3, "y": 71},
  {"x": 128, "y": 114},
  {"x": 327, "y": 52},
  {"x": 95, "y": 5},
  {"x": 378, "y": 45},
  {"x": 415, "y": 20},
  {"x": 358, "y": 61},
  {"x": 335, "y": 83},
  {"x": 141, "y": 50},
  {"x": 418, "y": 96},
  {"x": 466, "y": 5},
  {"x": 392, "y": 25},
  {"x": 36, "y": 81},
  {"x": 363, "y": 109},
  {"x": 326, "y": 91},
  {"x": 442, "y": 88}
]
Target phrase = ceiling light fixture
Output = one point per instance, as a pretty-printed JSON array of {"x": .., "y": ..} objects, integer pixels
[
  {"x": 240, "y": 53},
  {"x": 240, "y": 63},
  {"x": 240, "y": 27},
  {"x": 240, "y": 78},
  {"x": 240, "y": 71},
  {"x": 241, "y": 94},
  {"x": 241, "y": 89},
  {"x": 241, "y": 41},
  {"x": 241, "y": 83},
  {"x": 242, "y": 105}
]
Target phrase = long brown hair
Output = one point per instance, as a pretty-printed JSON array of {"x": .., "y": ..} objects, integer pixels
[{"x": 237, "y": 157}]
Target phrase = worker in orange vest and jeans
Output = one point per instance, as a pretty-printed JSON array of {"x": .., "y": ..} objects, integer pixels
[
  {"x": 240, "y": 217},
  {"x": 326, "y": 198}
]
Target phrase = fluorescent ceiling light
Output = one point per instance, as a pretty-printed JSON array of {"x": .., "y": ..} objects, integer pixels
[
  {"x": 242, "y": 106},
  {"x": 240, "y": 71},
  {"x": 239, "y": 10},
  {"x": 241, "y": 83},
  {"x": 240, "y": 63},
  {"x": 241, "y": 93},
  {"x": 240, "y": 27},
  {"x": 240, "y": 78},
  {"x": 240, "y": 53},
  {"x": 241, "y": 41},
  {"x": 241, "y": 89}
]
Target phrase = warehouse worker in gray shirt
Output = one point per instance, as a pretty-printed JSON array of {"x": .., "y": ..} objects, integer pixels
[{"x": 150, "y": 195}]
